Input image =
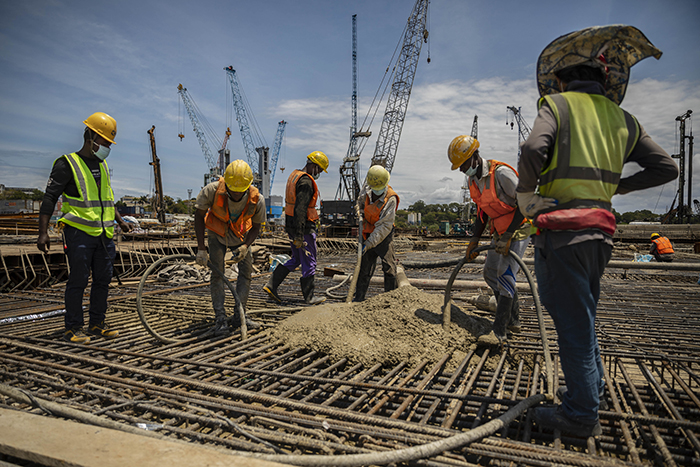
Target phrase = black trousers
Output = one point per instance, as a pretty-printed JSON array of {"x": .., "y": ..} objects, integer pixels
[{"x": 385, "y": 251}]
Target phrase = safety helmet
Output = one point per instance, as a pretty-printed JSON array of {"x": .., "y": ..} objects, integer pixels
[
  {"x": 377, "y": 177},
  {"x": 654, "y": 235},
  {"x": 461, "y": 149},
  {"x": 238, "y": 176},
  {"x": 320, "y": 159},
  {"x": 102, "y": 124}
]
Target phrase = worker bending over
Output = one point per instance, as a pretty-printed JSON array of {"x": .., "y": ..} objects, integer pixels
[
  {"x": 88, "y": 217},
  {"x": 661, "y": 248},
  {"x": 301, "y": 217},
  {"x": 377, "y": 206},
  {"x": 492, "y": 187},
  {"x": 570, "y": 168},
  {"x": 233, "y": 211}
]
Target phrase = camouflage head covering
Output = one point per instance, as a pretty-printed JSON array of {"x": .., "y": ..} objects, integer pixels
[{"x": 621, "y": 46}]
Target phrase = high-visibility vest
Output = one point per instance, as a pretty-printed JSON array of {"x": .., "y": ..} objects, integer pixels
[
  {"x": 500, "y": 213},
  {"x": 218, "y": 218},
  {"x": 290, "y": 196},
  {"x": 93, "y": 210},
  {"x": 373, "y": 210},
  {"x": 663, "y": 245},
  {"x": 594, "y": 138}
]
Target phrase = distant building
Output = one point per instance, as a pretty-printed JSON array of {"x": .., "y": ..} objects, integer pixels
[
  {"x": 16, "y": 206},
  {"x": 26, "y": 191},
  {"x": 414, "y": 218}
]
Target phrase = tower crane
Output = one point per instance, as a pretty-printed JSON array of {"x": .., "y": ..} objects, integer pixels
[
  {"x": 524, "y": 129},
  {"x": 159, "y": 200}
]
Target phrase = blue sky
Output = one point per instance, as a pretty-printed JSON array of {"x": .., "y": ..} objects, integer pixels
[{"x": 63, "y": 60}]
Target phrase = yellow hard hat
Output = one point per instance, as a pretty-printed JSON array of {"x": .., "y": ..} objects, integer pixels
[
  {"x": 238, "y": 176},
  {"x": 102, "y": 124},
  {"x": 461, "y": 149},
  {"x": 654, "y": 235},
  {"x": 320, "y": 159},
  {"x": 377, "y": 177}
]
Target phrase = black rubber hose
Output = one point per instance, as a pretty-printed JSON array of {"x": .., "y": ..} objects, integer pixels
[{"x": 442, "y": 263}]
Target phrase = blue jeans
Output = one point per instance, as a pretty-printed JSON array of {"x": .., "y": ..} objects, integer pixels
[
  {"x": 87, "y": 254},
  {"x": 569, "y": 284}
]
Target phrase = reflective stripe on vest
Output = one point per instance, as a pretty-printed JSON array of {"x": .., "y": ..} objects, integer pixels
[
  {"x": 290, "y": 196},
  {"x": 218, "y": 218},
  {"x": 663, "y": 245},
  {"x": 372, "y": 211},
  {"x": 500, "y": 213},
  {"x": 93, "y": 210},
  {"x": 595, "y": 137}
]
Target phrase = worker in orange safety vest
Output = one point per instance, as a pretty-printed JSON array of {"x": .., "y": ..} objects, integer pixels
[{"x": 661, "y": 248}]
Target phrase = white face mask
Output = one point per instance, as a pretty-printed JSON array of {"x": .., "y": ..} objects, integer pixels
[
  {"x": 471, "y": 171},
  {"x": 317, "y": 175},
  {"x": 102, "y": 152},
  {"x": 379, "y": 192}
]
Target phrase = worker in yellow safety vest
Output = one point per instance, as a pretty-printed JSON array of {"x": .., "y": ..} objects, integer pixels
[
  {"x": 233, "y": 212},
  {"x": 661, "y": 248},
  {"x": 88, "y": 217},
  {"x": 570, "y": 167},
  {"x": 377, "y": 206},
  {"x": 301, "y": 216}
]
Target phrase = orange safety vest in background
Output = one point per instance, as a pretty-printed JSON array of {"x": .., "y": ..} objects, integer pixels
[
  {"x": 374, "y": 210},
  {"x": 290, "y": 196},
  {"x": 218, "y": 217},
  {"x": 663, "y": 245},
  {"x": 500, "y": 213}
]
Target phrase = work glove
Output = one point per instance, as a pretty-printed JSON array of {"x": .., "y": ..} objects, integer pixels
[
  {"x": 298, "y": 242},
  {"x": 202, "y": 258},
  {"x": 240, "y": 254},
  {"x": 358, "y": 212},
  {"x": 364, "y": 248},
  {"x": 531, "y": 204},
  {"x": 472, "y": 246},
  {"x": 502, "y": 246}
]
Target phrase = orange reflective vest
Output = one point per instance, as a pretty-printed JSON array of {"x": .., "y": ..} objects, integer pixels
[
  {"x": 500, "y": 213},
  {"x": 290, "y": 196},
  {"x": 374, "y": 210},
  {"x": 663, "y": 245},
  {"x": 218, "y": 217}
]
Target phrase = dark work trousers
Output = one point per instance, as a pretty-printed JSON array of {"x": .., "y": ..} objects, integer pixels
[
  {"x": 87, "y": 254},
  {"x": 385, "y": 251}
]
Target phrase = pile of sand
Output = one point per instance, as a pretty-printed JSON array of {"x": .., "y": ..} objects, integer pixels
[{"x": 402, "y": 325}]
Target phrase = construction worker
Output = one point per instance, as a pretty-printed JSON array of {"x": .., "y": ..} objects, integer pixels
[
  {"x": 301, "y": 217},
  {"x": 233, "y": 212},
  {"x": 87, "y": 221},
  {"x": 574, "y": 157},
  {"x": 492, "y": 188},
  {"x": 377, "y": 206},
  {"x": 661, "y": 248}
]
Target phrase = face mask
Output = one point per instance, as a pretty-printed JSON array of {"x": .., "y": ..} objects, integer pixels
[
  {"x": 317, "y": 175},
  {"x": 102, "y": 152},
  {"x": 471, "y": 171},
  {"x": 379, "y": 192}
]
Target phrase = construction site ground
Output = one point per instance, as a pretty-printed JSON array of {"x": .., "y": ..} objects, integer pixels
[{"x": 203, "y": 400}]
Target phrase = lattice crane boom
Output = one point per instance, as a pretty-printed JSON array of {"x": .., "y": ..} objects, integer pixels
[
  {"x": 276, "y": 150},
  {"x": 523, "y": 128},
  {"x": 197, "y": 127},
  {"x": 242, "y": 118}
]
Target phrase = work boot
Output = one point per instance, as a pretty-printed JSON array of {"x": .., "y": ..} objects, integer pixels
[
  {"x": 76, "y": 336},
  {"x": 514, "y": 323},
  {"x": 554, "y": 418},
  {"x": 602, "y": 405},
  {"x": 307, "y": 290},
  {"x": 390, "y": 282},
  {"x": 503, "y": 309},
  {"x": 103, "y": 329},
  {"x": 278, "y": 275},
  {"x": 249, "y": 323},
  {"x": 220, "y": 324}
]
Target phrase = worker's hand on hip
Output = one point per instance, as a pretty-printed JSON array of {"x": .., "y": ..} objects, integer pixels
[
  {"x": 472, "y": 246},
  {"x": 502, "y": 246},
  {"x": 531, "y": 204},
  {"x": 240, "y": 254},
  {"x": 202, "y": 258},
  {"x": 298, "y": 242},
  {"x": 43, "y": 243}
]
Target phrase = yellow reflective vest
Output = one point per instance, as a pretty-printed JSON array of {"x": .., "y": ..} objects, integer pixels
[
  {"x": 93, "y": 210},
  {"x": 594, "y": 138}
]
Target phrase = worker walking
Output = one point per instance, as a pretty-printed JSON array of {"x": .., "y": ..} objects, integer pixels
[
  {"x": 377, "y": 207},
  {"x": 300, "y": 223},
  {"x": 492, "y": 188},
  {"x": 233, "y": 212},
  {"x": 574, "y": 157},
  {"x": 661, "y": 248},
  {"x": 88, "y": 218}
]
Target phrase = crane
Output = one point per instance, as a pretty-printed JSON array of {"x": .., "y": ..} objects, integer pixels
[
  {"x": 200, "y": 125},
  {"x": 159, "y": 201},
  {"x": 684, "y": 210},
  {"x": 524, "y": 129},
  {"x": 276, "y": 150}
]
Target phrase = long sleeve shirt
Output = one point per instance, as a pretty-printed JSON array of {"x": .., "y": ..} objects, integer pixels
[
  {"x": 62, "y": 181},
  {"x": 385, "y": 224}
]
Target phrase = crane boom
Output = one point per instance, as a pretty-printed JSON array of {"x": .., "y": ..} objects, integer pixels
[
  {"x": 276, "y": 150},
  {"x": 523, "y": 128},
  {"x": 242, "y": 117},
  {"x": 397, "y": 104},
  {"x": 197, "y": 126}
]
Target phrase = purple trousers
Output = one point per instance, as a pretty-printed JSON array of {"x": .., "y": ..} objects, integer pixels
[{"x": 306, "y": 256}]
